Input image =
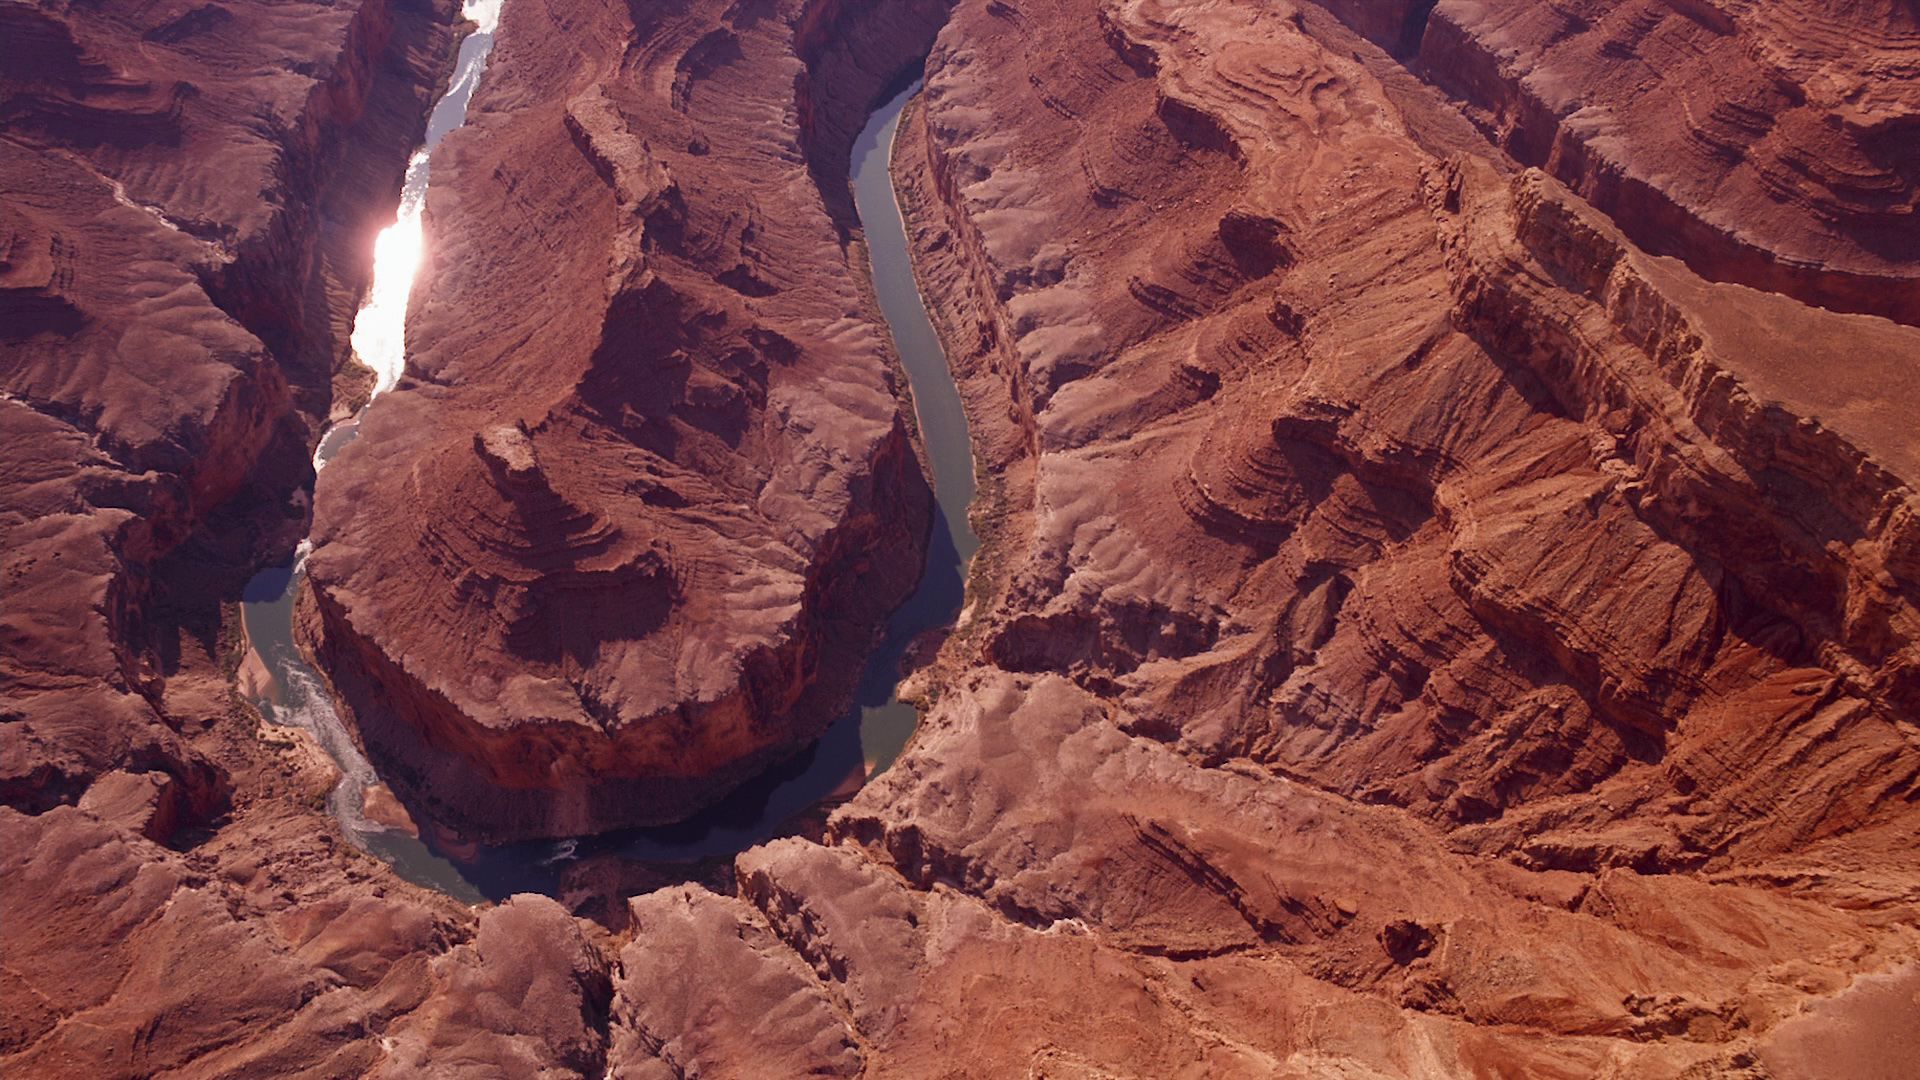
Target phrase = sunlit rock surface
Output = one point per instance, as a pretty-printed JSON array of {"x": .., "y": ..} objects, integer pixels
[
  {"x": 182, "y": 237},
  {"x": 1428, "y": 624},
  {"x": 622, "y": 542}
]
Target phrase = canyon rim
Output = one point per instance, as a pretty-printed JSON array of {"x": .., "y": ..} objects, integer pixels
[{"x": 1447, "y": 597}]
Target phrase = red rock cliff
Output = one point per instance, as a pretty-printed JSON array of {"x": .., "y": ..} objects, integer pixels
[
  {"x": 1420, "y": 632},
  {"x": 1770, "y": 144},
  {"x": 622, "y": 542},
  {"x": 184, "y": 234},
  {"x": 1362, "y": 486}
]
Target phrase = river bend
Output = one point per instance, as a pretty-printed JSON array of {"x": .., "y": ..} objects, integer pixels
[{"x": 863, "y": 742}]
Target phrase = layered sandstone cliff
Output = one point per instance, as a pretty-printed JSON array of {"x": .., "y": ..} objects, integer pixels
[
  {"x": 1481, "y": 523},
  {"x": 1421, "y": 630},
  {"x": 1420, "y": 633},
  {"x": 183, "y": 238},
  {"x": 1772, "y": 144},
  {"x": 188, "y": 194},
  {"x": 622, "y": 541}
]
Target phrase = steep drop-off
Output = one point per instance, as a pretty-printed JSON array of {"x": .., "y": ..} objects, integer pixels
[
  {"x": 1420, "y": 629},
  {"x": 1474, "y": 531},
  {"x": 624, "y": 540},
  {"x": 188, "y": 197},
  {"x": 1772, "y": 144},
  {"x": 1419, "y": 633},
  {"x": 183, "y": 239}
]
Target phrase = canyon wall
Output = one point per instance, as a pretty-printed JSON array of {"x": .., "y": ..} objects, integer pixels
[
  {"x": 1770, "y": 144},
  {"x": 1420, "y": 632},
  {"x": 623, "y": 540},
  {"x": 172, "y": 332},
  {"x": 1426, "y": 625},
  {"x": 188, "y": 199},
  {"x": 1475, "y": 529}
]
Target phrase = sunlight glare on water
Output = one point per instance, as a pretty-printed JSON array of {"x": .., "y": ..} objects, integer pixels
[
  {"x": 298, "y": 695},
  {"x": 484, "y": 13},
  {"x": 379, "y": 332}
]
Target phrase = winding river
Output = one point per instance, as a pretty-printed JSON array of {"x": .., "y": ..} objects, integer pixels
[{"x": 862, "y": 743}]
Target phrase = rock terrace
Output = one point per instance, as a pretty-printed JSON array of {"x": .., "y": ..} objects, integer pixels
[{"x": 1449, "y": 603}]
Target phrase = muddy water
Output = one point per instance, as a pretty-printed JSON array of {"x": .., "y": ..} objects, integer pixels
[{"x": 860, "y": 744}]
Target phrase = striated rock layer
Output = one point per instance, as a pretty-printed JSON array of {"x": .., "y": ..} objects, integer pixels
[
  {"x": 170, "y": 330},
  {"x": 1420, "y": 632},
  {"x": 1401, "y": 582},
  {"x": 622, "y": 540},
  {"x": 1767, "y": 143}
]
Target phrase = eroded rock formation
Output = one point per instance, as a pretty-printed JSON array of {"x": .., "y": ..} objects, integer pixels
[
  {"x": 1592, "y": 572},
  {"x": 183, "y": 238},
  {"x": 1422, "y": 628},
  {"x": 1770, "y": 144},
  {"x": 623, "y": 542}
]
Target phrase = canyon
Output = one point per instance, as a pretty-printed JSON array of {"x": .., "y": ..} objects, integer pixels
[
  {"x": 663, "y": 558},
  {"x": 1448, "y": 596}
]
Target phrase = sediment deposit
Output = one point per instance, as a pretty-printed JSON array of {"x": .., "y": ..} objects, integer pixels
[{"x": 1448, "y": 602}]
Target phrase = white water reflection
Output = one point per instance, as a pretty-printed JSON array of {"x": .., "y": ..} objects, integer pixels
[
  {"x": 297, "y": 695},
  {"x": 380, "y": 330},
  {"x": 379, "y": 334}
]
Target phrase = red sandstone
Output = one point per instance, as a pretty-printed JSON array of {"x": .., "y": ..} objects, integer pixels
[
  {"x": 1448, "y": 604},
  {"x": 622, "y": 542}
]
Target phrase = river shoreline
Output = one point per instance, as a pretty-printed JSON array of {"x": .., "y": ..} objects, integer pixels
[{"x": 863, "y": 743}]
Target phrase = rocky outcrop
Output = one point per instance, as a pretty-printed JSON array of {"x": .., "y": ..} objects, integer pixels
[
  {"x": 187, "y": 195},
  {"x": 623, "y": 541},
  {"x": 1768, "y": 144},
  {"x": 1624, "y": 415},
  {"x": 527, "y": 996},
  {"x": 708, "y": 989},
  {"x": 124, "y": 958},
  {"x": 1347, "y": 457},
  {"x": 171, "y": 331},
  {"x": 1420, "y": 630},
  {"x": 1212, "y": 903}
]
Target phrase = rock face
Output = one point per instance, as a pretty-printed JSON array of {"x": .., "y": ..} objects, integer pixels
[
  {"x": 623, "y": 541},
  {"x": 1428, "y": 623},
  {"x": 170, "y": 331},
  {"x": 1770, "y": 144},
  {"x": 269, "y": 952},
  {"x": 527, "y": 996},
  {"x": 1472, "y": 518},
  {"x": 1482, "y": 509}
]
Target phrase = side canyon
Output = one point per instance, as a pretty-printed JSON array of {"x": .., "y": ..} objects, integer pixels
[{"x": 1448, "y": 600}]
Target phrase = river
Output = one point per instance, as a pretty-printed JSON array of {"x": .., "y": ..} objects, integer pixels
[{"x": 859, "y": 745}]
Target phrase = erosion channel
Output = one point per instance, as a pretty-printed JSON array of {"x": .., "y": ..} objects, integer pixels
[{"x": 859, "y": 745}]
